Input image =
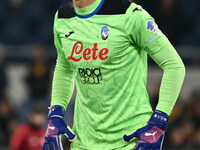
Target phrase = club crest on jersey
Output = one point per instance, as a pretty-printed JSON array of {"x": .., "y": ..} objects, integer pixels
[
  {"x": 104, "y": 33},
  {"x": 150, "y": 26}
]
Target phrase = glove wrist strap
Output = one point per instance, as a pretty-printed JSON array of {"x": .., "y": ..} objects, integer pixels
[
  {"x": 56, "y": 111},
  {"x": 159, "y": 119}
]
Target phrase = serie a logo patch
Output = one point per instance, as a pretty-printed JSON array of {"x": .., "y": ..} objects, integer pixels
[{"x": 150, "y": 26}]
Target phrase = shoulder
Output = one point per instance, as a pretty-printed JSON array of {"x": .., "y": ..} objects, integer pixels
[
  {"x": 135, "y": 9},
  {"x": 112, "y": 7},
  {"x": 137, "y": 14},
  {"x": 66, "y": 11}
]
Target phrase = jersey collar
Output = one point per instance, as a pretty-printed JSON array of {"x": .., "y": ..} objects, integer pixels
[{"x": 90, "y": 10}]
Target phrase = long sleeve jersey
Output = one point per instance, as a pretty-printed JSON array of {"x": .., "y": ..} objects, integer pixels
[{"x": 103, "y": 49}]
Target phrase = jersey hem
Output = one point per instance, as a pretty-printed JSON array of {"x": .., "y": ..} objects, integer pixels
[{"x": 92, "y": 148}]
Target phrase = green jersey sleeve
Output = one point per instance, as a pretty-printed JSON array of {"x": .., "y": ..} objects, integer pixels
[
  {"x": 174, "y": 72},
  {"x": 143, "y": 31},
  {"x": 63, "y": 81}
]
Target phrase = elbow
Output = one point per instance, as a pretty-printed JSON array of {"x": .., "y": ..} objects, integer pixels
[
  {"x": 184, "y": 70},
  {"x": 177, "y": 67},
  {"x": 181, "y": 69}
]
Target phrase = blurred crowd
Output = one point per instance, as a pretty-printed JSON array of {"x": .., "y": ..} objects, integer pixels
[
  {"x": 26, "y": 75},
  {"x": 22, "y": 122},
  {"x": 28, "y": 21},
  {"x": 25, "y": 87}
]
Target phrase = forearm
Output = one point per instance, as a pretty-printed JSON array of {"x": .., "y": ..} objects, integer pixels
[
  {"x": 174, "y": 73},
  {"x": 63, "y": 86}
]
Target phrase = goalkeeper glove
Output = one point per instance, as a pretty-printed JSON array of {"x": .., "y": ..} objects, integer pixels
[
  {"x": 56, "y": 127},
  {"x": 152, "y": 135}
]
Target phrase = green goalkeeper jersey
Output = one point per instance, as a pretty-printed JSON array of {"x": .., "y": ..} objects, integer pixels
[{"x": 103, "y": 49}]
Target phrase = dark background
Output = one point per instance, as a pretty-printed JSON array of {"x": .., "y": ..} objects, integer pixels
[{"x": 27, "y": 59}]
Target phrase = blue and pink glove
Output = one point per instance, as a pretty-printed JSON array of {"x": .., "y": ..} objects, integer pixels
[
  {"x": 152, "y": 135},
  {"x": 56, "y": 128}
]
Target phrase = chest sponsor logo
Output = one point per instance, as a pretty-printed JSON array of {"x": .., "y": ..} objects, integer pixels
[
  {"x": 90, "y": 75},
  {"x": 87, "y": 53}
]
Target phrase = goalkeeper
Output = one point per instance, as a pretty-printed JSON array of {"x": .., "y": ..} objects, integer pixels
[{"x": 102, "y": 46}]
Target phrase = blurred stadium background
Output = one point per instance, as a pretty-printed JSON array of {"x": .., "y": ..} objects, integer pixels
[{"x": 27, "y": 59}]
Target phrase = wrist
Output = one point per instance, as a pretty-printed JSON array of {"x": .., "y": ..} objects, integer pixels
[
  {"x": 159, "y": 119},
  {"x": 56, "y": 111}
]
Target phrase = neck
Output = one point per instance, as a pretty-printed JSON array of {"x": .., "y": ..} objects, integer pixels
[{"x": 82, "y": 3}]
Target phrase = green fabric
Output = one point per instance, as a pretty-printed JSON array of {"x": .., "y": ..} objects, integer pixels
[
  {"x": 63, "y": 81},
  {"x": 129, "y": 146},
  {"x": 112, "y": 99},
  {"x": 174, "y": 73}
]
